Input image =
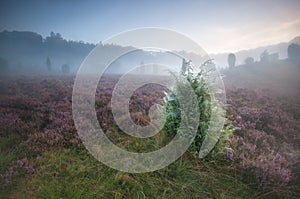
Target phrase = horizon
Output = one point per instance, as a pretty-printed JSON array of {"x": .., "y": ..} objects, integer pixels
[
  {"x": 219, "y": 27},
  {"x": 80, "y": 40}
]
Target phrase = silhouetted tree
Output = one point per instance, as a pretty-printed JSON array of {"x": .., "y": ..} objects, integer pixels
[
  {"x": 293, "y": 51},
  {"x": 249, "y": 60},
  {"x": 52, "y": 34},
  {"x": 56, "y": 36},
  {"x": 264, "y": 56},
  {"x": 48, "y": 63},
  {"x": 231, "y": 60},
  {"x": 267, "y": 57},
  {"x": 56, "y": 43},
  {"x": 65, "y": 68}
]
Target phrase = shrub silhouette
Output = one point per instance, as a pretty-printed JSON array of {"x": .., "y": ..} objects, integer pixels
[
  {"x": 249, "y": 60},
  {"x": 231, "y": 60},
  {"x": 49, "y": 65},
  {"x": 65, "y": 68}
]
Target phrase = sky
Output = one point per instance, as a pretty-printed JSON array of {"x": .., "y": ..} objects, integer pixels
[{"x": 216, "y": 25}]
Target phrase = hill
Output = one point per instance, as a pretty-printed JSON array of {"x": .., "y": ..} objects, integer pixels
[{"x": 281, "y": 49}]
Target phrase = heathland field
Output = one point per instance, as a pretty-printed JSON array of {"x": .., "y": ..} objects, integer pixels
[{"x": 256, "y": 157}]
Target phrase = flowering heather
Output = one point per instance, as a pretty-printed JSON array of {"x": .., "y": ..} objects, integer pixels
[
  {"x": 267, "y": 135},
  {"x": 39, "y": 112}
]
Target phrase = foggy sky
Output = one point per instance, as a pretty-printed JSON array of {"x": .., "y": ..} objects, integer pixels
[{"x": 218, "y": 26}]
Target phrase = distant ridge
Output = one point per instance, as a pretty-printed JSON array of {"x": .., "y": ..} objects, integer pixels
[
  {"x": 29, "y": 49},
  {"x": 295, "y": 40},
  {"x": 280, "y": 48}
]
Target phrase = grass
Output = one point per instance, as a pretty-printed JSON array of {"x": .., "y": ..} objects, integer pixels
[
  {"x": 10, "y": 150},
  {"x": 8, "y": 153},
  {"x": 69, "y": 173},
  {"x": 64, "y": 172}
]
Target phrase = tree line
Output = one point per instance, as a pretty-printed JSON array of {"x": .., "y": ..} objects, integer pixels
[
  {"x": 27, "y": 51},
  {"x": 293, "y": 52}
]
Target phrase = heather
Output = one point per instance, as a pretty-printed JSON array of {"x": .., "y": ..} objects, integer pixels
[
  {"x": 43, "y": 157},
  {"x": 266, "y": 139}
]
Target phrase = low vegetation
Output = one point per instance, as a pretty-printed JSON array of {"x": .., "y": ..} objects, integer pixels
[{"x": 42, "y": 156}]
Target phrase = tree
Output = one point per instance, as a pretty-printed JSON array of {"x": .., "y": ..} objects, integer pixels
[
  {"x": 48, "y": 63},
  {"x": 231, "y": 60},
  {"x": 55, "y": 41},
  {"x": 56, "y": 36},
  {"x": 65, "y": 68},
  {"x": 293, "y": 51},
  {"x": 249, "y": 60},
  {"x": 52, "y": 34},
  {"x": 264, "y": 56}
]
